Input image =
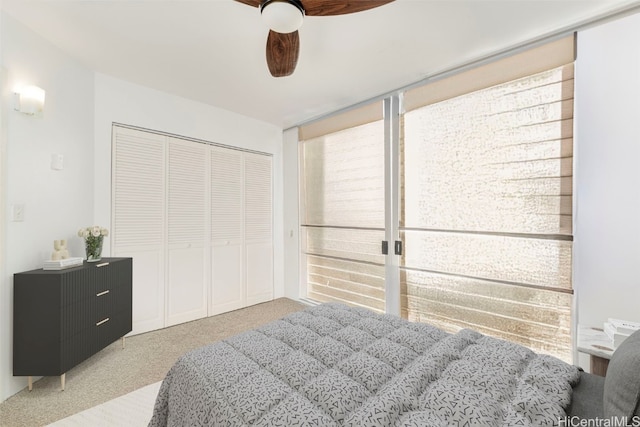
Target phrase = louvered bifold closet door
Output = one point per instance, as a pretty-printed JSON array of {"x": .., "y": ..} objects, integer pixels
[
  {"x": 227, "y": 216},
  {"x": 258, "y": 225},
  {"x": 138, "y": 213},
  {"x": 187, "y": 249}
]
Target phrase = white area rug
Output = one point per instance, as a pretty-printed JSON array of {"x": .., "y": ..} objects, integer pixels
[{"x": 131, "y": 410}]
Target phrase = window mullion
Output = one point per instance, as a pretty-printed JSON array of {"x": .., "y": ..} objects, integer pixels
[{"x": 392, "y": 202}]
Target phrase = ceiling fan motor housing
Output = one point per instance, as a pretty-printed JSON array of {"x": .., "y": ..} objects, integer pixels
[{"x": 282, "y": 16}]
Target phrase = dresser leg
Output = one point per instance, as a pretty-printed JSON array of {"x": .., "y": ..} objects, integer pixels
[
  {"x": 62, "y": 378},
  {"x": 123, "y": 343},
  {"x": 30, "y": 380}
]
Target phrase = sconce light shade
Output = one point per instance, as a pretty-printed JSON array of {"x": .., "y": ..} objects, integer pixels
[
  {"x": 282, "y": 16},
  {"x": 30, "y": 100}
]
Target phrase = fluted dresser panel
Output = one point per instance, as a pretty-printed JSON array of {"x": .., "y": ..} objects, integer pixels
[{"x": 61, "y": 318}]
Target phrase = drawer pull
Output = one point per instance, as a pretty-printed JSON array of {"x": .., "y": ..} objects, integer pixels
[
  {"x": 102, "y": 293},
  {"x": 102, "y": 321}
]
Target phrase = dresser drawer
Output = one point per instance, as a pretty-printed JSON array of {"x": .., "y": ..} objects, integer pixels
[
  {"x": 105, "y": 301},
  {"x": 110, "y": 329},
  {"x": 110, "y": 276},
  {"x": 76, "y": 349},
  {"x": 76, "y": 317}
]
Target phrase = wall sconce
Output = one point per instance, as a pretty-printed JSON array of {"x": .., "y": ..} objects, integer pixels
[{"x": 29, "y": 100}]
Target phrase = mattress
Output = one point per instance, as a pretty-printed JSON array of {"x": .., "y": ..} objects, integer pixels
[{"x": 334, "y": 365}]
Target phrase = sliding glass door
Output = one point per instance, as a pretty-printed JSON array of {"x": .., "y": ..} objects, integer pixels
[
  {"x": 454, "y": 208},
  {"x": 487, "y": 202},
  {"x": 342, "y": 184}
]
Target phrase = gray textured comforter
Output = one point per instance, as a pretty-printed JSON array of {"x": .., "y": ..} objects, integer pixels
[{"x": 334, "y": 365}]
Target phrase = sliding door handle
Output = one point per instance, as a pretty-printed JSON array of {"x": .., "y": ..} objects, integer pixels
[{"x": 398, "y": 247}]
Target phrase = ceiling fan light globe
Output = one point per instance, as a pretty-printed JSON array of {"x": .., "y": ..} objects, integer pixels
[{"x": 282, "y": 16}]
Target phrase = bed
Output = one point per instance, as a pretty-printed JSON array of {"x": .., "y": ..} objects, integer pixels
[{"x": 334, "y": 365}]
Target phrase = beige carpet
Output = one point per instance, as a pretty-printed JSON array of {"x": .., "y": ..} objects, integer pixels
[{"x": 114, "y": 371}]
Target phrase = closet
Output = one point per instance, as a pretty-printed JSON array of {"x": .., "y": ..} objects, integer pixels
[{"x": 197, "y": 219}]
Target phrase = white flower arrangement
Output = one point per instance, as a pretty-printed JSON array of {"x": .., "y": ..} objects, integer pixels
[
  {"x": 94, "y": 231},
  {"x": 93, "y": 237}
]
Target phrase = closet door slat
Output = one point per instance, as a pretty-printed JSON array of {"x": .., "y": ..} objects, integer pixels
[
  {"x": 258, "y": 199},
  {"x": 226, "y": 194},
  {"x": 187, "y": 192}
]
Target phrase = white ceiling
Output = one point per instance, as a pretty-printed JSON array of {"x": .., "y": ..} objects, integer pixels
[{"x": 213, "y": 51}]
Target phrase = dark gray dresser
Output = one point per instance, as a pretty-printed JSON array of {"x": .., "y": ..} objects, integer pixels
[{"x": 62, "y": 317}]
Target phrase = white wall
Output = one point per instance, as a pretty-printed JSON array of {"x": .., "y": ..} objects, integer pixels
[
  {"x": 4, "y": 290},
  {"x": 291, "y": 217},
  {"x": 607, "y": 173},
  {"x": 56, "y": 203}
]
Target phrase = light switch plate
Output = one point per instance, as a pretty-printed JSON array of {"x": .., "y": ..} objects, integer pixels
[
  {"x": 17, "y": 212},
  {"x": 57, "y": 162}
]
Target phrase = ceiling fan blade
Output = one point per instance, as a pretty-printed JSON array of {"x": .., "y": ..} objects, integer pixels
[
  {"x": 338, "y": 7},
  {"x": 254, "y": 3},
  {"x": 282, "y": 53}
]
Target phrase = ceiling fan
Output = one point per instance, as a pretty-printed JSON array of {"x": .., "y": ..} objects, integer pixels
[{"x": 284, "y": 18}]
